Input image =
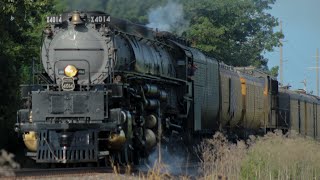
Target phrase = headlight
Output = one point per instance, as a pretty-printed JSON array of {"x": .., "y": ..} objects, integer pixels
[{"x": 70, "y": 71}]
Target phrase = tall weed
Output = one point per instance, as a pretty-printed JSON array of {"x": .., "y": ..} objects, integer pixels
[{"x": 273, "y": 156}]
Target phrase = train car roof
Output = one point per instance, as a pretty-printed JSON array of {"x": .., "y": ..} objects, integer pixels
[{"x": 300, "y": 96}]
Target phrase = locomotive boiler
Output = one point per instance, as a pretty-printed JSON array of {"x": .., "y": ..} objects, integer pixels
[{"x": 110, "y": 88}]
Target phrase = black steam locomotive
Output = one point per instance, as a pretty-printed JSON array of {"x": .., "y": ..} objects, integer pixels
[{"x": 112, "y": 88}]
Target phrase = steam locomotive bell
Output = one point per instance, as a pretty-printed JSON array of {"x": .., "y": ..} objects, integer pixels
[{"x": 76, "y": 19}]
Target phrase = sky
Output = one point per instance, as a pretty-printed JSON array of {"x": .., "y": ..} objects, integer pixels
[{"x": 301, "y": 28}]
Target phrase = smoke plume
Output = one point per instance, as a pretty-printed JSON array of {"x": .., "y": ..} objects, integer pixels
[{"x": 168, "y": 18}]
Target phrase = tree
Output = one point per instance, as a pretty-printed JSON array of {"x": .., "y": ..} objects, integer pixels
[
  {"x": 81, "y": 5},
  {"x": 133, "y": 10},
  {"x": 236, "y": 32},
  {"x": 22, "y": 22},
  {"x": 274, "y": 71}
]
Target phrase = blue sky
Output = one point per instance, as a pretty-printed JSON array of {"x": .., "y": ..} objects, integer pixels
[{"x": 301, "y": 27}]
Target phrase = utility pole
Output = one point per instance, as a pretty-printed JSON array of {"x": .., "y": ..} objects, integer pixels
[
  {"x": 304, "y": 82},
  {"x": 317, "y": 68},
  {"x": 281, "y": 57},
  {"x": 317, "y": 60}
]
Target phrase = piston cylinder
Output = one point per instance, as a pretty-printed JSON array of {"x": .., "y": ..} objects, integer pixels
[
  {"x": 152, "y": 104},
  {"x": 151, "y": 90},
  {"x": 163, "y": 95}
]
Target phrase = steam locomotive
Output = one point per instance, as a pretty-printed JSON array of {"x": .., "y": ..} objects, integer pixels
[{"x": 114, "y": 89}]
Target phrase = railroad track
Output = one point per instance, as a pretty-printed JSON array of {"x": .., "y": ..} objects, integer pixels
[
  {"x": 63, "y": 172},
  {"x": 167, "y": 172}
]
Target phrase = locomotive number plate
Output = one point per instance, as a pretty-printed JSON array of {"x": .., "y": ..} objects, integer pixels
[
  {"x": 99, "y": 19},
  {"x": 67, "y": 84},
  {"x": 54, "y": 19}
]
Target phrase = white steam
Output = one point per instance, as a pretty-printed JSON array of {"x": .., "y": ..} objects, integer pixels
[
  {"x": 168, "y": 18},
  {"x": 174, "y": 162}
]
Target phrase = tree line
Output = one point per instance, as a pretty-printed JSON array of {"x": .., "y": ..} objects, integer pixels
[{"x": 237, "y": 32}]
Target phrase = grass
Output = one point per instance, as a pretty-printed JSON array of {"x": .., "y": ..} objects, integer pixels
[
  {"x": 221, "y": 159},
  {"x": 273, "y": 156}
]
